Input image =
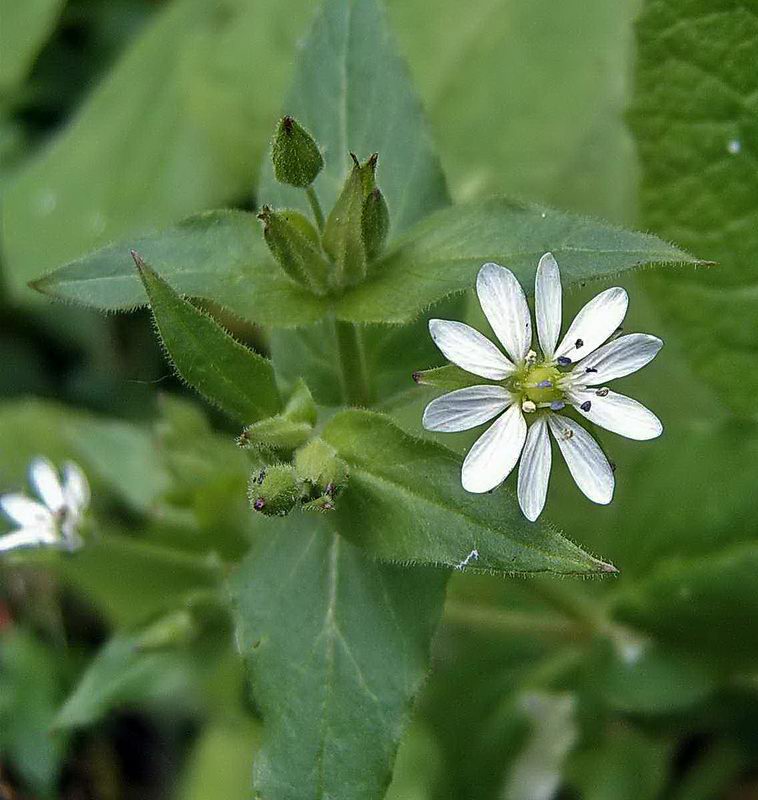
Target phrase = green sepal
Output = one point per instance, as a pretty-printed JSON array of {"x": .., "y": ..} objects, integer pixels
[
  {"x": 295, "y": 155},
  {"x": 448, "y": 378},
  {"x": 294, "y": 243},
  {"x": 343, "y": 232},
  {"x": 284, "y": 432},
  {"x": 273, "y": 491},
  {"x": 375, "y": 224}
]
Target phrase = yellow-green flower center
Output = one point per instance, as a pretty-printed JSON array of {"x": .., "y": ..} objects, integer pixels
[{"x": 538, "y": 383}]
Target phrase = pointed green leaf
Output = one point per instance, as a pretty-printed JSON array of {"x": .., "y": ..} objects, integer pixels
[
  {"x": 228, "y": 374},
  {"x": 404, "y": 502},
  {"x": 352, "y": 92},
  {"x": 337, "y": 646},
  {"x": 442, "y": 255},
  {"x": 218, "y": 255},
  {"x": 695, "y": 117}
]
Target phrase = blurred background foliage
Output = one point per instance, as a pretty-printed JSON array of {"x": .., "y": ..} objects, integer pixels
[{"x": 118, "y": 676}]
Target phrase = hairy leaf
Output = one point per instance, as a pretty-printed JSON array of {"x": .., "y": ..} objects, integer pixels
[
  {"x": 227, "y": 373},
  {"x": 695, "y": 116},
  {"x": 337, "y": 646},
  {"x": 442, "y": 255},
  {"x": 404, "y": 502}
]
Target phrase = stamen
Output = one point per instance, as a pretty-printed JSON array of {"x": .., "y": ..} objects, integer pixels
[
  {"x": 557, "y": 405},
  {"x": 586, "y": 405},
  {"x": 528, "y": 407},
  {"x": 545, "y": 384},
  {"x": 602, "y": 392},
  {"x": 259, "y": 504},
  {"x": 564, "y": 361}
]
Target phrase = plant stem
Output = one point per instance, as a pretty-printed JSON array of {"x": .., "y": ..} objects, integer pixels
[
  {"x": 310, "y": 193},
  {"x": 352, "y": 359}
]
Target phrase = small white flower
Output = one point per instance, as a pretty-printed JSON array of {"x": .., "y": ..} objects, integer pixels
[
  {"x": 573, "y": 373},
  {"x": 53, "y": 522}
]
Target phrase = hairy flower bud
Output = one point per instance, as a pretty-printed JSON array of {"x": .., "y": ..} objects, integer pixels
[
  {"x": 375, "y": 223},
  {"x": 274, "y": 490},
  {"x": 296, "y": 157},
  {"x": 294, "y": 243}
]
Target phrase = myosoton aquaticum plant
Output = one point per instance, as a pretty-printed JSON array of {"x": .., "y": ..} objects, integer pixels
[{"x": 358, "y": 521}]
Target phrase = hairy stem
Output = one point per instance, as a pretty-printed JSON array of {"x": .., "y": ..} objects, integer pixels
[
  {"x": 318, "y": 214},
  {"x": 352, "y": 359}
]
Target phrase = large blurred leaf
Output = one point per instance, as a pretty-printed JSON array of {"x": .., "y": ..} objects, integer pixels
[
  {"x": 695, "y": 116},
  {"x": 337, "y": 647},
  {"x": 706, "y": 605},
  {"x": 526, "y": 96},
  {"x": 25, "y": 27},
  {"x": 231, "y": 376},
  {"x": 123, "y": 675},
  {"x": 404, "y": 502},
  {"x": 29, "y": 689},
  {"x": 177, "y": 126}
]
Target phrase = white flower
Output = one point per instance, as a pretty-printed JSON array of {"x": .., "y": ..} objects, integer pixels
[
  {"x": 53, "y": 522},
  {"x": 573, "y": 373}
]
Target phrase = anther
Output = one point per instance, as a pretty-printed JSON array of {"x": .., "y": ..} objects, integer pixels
[
  {"x": 528, "y": 407},
  {"x": 567, "y": 433},
  {"x": 564, "y": 361},
  {"x": 557, "y": 405},
  {"x": 586, "y": 405},
  {"x": 590, "y": 369},
  {"x": 259, "y": 504},
  {"x": 579, "y": 343},
  {"x": 545, "y": 384},
  {"x": 531, "y": 357},
  {"x": 602, "y": 392}
]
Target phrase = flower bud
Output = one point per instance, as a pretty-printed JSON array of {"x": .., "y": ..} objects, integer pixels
[
  {"x": 294, "y": 243},
  {"x": 375, "y": 223},
  {"x": 296, "y": 157},
  {"x": 318, "y": 465},
  {"x": 343, "y": 232},
  {"x": 274, "y": 490}
]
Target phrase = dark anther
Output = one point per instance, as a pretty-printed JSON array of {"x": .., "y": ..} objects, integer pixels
[
  {"x": 590, "y": 369},
  {"x": 564, "y": 361},
  {"x": 261, "y": 476},
  {"x": 259, "y": 504},
  {"x": 586, "y": 405},
  {"x": 579, "y": 343},
  {"x": 287, "y": 124},
  {"x": 602, "y": 392},
  {"x": 329, "y": 489},
  {"x": 416, "y": 376},
  {"x": 545, "y": 384}
]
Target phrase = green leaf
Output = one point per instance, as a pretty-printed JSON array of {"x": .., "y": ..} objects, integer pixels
[
  {"x": 705, "y": 605},
  {"x": 442, "y": 255},
  {"x": 225, "y": 372},
  {"x": 123, "y": 675},
  {"x": 352, "y": 92},
  {"x": 217, "y": 255},
  {"x": 404, "y": 502},
  {"x": 25, "y": 27},
  {"x": 30, "y": 678},
  {"x": 337, "y": 646},
  {"x": 177, "y": 126},
  {"x": 695, "y": 117}
]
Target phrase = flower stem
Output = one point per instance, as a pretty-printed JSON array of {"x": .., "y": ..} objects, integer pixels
[
  {"x": 512, "y": 622},
  {"x": 352, "y": 359},
  {"x": 318, "y": 214}
]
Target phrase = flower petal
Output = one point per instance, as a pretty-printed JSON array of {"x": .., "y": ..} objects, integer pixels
[
  {"x": 469, "y": 349},
  {"x": 495, "y": 453},
  {"x": 594, "y": 324},
  {"x": 465, "y": 408},
  {"x": 534, "y": 471},
  {"x": 26, "y": 537},
  {"x": 618, "y": 358},
  {"x": 504, "y": 304},
  {"x": 548, "y": 304},
  {"x": 24, "y": 511},
  {"x": 44, "y": 478},
  {"x": 75, "y": 487},
  {"x": 586, "y": 461},
  {"x": 617, "y": 413}
]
